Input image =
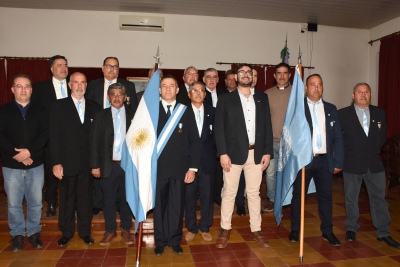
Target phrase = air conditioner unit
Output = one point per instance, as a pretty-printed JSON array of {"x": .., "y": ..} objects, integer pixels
[{"x": 141, "y": 23}]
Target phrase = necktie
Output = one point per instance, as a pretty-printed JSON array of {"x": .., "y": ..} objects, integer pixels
[
  {"x": 199, "y": 124},
  {"x": 117, "y": 141},
  {"x": 63, "y": 95},
  {"x": 316, "y": 128},
  {"x": 213, "y": 98},
  {"x": 107, "y": 101},
  {"x": 80, "y": 111},
  {"x": 365, "y": 122},
  {"x": 169, "y": 111}
]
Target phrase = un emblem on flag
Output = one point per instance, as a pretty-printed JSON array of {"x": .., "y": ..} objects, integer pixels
[
  {"x": 284, "y": 148},
  {"x": 140, "y": 138}
]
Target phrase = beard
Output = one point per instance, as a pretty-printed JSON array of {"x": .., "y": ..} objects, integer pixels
[{"x": 244, "y": 83}]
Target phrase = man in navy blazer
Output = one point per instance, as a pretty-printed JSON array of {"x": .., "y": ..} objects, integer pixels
[
  {"x": 70, "y": 122},
  {"x": 364, "y": 133},
  {"x": 97, "y": 92},
  {"x": 203, "y": 185},
  {"x": 243, "y": 134},
  {"x": 45, "y": 93},
  {"x": 327, "y": 142}
]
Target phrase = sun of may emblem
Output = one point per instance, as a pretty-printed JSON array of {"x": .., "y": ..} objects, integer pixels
[{"x": 140, "y": 138}]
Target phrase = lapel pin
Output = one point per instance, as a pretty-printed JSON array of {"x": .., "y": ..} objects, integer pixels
[{"x": 180, "y": 127}]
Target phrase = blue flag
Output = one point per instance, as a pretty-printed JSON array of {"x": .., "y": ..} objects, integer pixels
[
  {"x": 139, "y": 153},
  {"x": 295, "y": 150}
]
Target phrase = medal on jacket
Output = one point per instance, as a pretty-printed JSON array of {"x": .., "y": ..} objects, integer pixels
[
  {"x": 379, "y": 125},
  {"x": 128, "y": 102},
  {"x": 180, "y": 127},
  {"x": 210, "y": 128}
]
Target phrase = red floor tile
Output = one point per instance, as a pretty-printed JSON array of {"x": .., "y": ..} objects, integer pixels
[
  {"x": 203, "y": 257},
  {"x": 95, "y": 253},
  {"x": 207, "y": 264},
  {"x": 114, "y": 261},
  {"x": 238, "y": 246},
  {"x": 73, "y": 254},
  {"x": 224, "y": 255},
  {"x": 114, "y": 252},
  {"x": 245, "y": 254},
  {"x": 322, "y": 264},
  {"x": 333, "y": 255},
  {"x": 251, "y": 262},
  {"x": 91, "y": 262},
  {"x": 233, "y": 263},
  {"x": 199, "y": 248},
  {"x": 67, "y": 262}
]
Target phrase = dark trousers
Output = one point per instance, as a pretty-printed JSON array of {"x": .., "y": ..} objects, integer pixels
[
  {"x": 50, "y": 181},
  {"x": 168, "y": 212},
  {"x": 318, "y": 170},
  {"x": 113, "y": 188},
  {"x": 75, "y": 189},
  {"x": 97, "y": 194},
  {"x": 202, "y": 186}
]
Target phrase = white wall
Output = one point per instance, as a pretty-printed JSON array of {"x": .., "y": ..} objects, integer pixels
[
  {"x": 340, "y": 55},
  {"x": 375, "y": 33}
]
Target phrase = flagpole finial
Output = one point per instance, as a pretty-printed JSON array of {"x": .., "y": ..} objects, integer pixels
[
  {"x": 299, "y": 61},
  {"x": 157, "y": 56}
]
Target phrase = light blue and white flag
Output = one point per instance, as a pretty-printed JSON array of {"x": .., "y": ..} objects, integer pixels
[
  {"x": 139, "y": 154},
  {"x": 295, "y": 148}
]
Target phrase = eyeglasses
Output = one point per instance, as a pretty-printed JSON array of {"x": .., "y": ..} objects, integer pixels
[
  {"x": 20, "y": 86},
  {"x": 191, "y": 74},
  {"x": 117, "y": 95},
  {"x": 211, "y": 77},
  {"x": 110, "y": 67},
  {"x": 248, "y": 72},
  {"x": 198, "y": 91}
]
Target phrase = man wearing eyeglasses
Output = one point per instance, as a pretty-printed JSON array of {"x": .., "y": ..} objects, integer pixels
[
  {"x": 97, "y": 91},
  {"x": 23, "y": 136},
  {"x": 278, "y": 100},
  {"x": 46, "y": 93},
  {"x": 190, "y": 75},
  {"x": 203, "y": 185},
  {"x": 243, "y": 134},
  {"x": 106, "y": 139}
]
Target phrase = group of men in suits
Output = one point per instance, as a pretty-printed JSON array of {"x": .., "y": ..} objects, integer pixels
[{"x": 87, "y": 129}]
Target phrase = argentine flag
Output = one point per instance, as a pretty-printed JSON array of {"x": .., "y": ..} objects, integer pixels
[
  {"x": 139, "y": 156},
  {"x": 295, "y": 150}
]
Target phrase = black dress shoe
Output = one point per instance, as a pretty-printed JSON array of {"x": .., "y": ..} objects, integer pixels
[
  {"x": 350, "y": 236},
  {"x": 88, "y": 240},
  {"x": 389, "y": 241},
  {"x": 63, "y": 241},
  {"x": 35, "y": 240},
  {"x": 159, "y": 250},
  {"x": 240, "y": 210},
  {"x": 177, "y": 249},
  {"x": 331, "y": 238},
  {"x": 96, "y": 211},
  {"x": 51, "y": 210},
  {"x": 294, "y": 236},
  {"x": 17, "y": 242}
]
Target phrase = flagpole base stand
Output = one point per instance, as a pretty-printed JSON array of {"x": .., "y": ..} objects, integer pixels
[{"x": 301, "y": 260}]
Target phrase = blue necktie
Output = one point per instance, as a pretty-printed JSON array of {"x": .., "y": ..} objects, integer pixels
[
  {"x": 117, "y": 141},
  {"x": 169, "y": 111},
  {"x": 365, "y": 122},
  {"x": 63, "y": 95},
  {"x": 107, "y": 101},
  {"x": 316, "y": 128},
  {"x": 213, "y": 98},
  {"x": 80, "y": 111},
  {"x": 199, "y": 124}
]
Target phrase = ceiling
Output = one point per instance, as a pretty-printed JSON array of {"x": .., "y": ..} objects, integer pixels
[{"x": 362, "y": 14}]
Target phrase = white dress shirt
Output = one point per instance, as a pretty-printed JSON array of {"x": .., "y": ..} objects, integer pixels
[
  {"x": 321, "y": 122},
  {"x": 117, "y": 155},
  {"x": 249, "y": 111},
  {"x": 57, "y": 87},
  {"x": 105, "y": 96},
  {"x": 195, "y": 111},
  {"x": 214, "y": 96}
]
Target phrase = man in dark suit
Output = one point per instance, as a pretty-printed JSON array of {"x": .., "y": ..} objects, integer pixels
[
  {"x": 230, "y": 81},
  {"x": 106, "y": 139},
  {"x": 45, "y": 93},
  {"x": 190, "y": 75},
  {"x": 97, "y": 92},
  {"x": 211, "y": 79},
  {"x": 176, "y": 166},
  {"x": 364, "y": 134},
  {"x": 327, "y": 144},
  {"x": 70, "y": 122},
  {"x": 203, "y": 185},
  {"x": 243, "y": 135}
]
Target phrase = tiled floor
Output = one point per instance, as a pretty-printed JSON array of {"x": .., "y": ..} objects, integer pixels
[{"x": 241, "y": 251}]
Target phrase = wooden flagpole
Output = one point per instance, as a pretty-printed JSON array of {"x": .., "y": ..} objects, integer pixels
[
  {"x": 303, "y": 185},
  {"x": 140, "y": 228}
]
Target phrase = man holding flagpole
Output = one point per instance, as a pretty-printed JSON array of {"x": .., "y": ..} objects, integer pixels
[
  {"x": 177, "y": 165},
  {"x": 327, "y": 151}
]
